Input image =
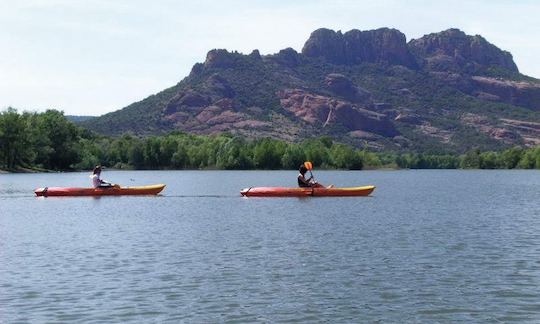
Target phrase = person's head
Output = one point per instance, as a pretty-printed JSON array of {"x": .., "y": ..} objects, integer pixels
[
  {"x": 302, "y": 169},
  {"x": 97, "y": 169}
]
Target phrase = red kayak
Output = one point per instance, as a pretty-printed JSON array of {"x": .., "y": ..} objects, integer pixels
[
  {"x": 112, "y": 191},
  {"x": 307, "y": 192}
]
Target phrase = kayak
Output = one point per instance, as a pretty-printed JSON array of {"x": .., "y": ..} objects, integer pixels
[
  {"x": 306, "y": 192},
  {"x": 112, "y": 191}
]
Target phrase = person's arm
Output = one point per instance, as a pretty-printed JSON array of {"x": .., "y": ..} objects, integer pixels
[
  {"x": 304, "y": 181},
  {"x": 309, "y": 182},
  {"x": 103, "y": 182}
]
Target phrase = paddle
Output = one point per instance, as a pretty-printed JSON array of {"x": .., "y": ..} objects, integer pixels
[{"x": 309, "y": 166}]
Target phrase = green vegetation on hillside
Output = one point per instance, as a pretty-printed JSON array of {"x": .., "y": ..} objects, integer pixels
[
  {"x": 49, "y": 141},
  {"x": 439, "y": 102}
]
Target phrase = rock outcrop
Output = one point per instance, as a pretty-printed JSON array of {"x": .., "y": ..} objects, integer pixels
[
  {"x": 220, "y": 58},
  {"x": 288, "y": 57},
  {"x": 354, "y": 47},
  {"x": 490, "y": 128},
  {"x": 519, "y": 93},
  {"x": 324, "y": 111},
  {"x": 342, "y": 86},
  {"x": 218, "y": 86},
  {"x": 453, "y": 50},
  {"x": 186, "y": 101}
]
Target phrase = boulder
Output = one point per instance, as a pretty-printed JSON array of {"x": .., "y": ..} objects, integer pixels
[{"x": 344, "y": 87}]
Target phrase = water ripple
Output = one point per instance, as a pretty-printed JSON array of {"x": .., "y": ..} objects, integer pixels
[{"x": 429, "y": 246}]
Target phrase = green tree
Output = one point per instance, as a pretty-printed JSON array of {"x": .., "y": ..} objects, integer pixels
[
  {"x": 233, "y": 155},
  {"x": 136, "y": 154},
  {"x": 14, "y": 142},
  {"x": 151, "y": 152},
  {"x": 370, "y": 159},
  {"x": 489, "y": 160},
  {"x": 180, "y": 158},
  {"x": 530, "y": 159},
  {"x": 471, "y": 160},
  {"x": 168, "y": 147},
  {"x": 344, "y": 157},
  {"x": 89, "y": 153},
  {"x": 267, "y": 154},
  {"x": 317, "y": 153},
  {"x": 63, "y": 137},
  {"x": 511, "y": 157},
  {"x": 293, "y": 157}
]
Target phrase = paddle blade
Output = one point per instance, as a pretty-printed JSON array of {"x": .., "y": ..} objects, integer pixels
[{"x": 308, "y": 165}]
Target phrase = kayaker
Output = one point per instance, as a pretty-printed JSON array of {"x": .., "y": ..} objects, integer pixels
[
  {"x": 309, "y": 182},
  {"x": 96, "y": 181}
]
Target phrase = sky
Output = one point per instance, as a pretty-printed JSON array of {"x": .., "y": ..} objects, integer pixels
[{"x": 96, "y": 56}]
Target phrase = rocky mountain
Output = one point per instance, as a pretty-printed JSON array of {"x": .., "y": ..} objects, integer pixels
[{"x": 446, "y": 91}]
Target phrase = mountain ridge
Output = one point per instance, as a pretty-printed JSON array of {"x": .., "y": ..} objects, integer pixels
[{"x": 445, "y": 91}]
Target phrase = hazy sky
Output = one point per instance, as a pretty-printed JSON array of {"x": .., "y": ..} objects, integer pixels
[{"x": 95, "y": 56}]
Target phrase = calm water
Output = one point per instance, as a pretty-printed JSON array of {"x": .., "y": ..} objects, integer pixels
[{"x": 428, "y": 246}]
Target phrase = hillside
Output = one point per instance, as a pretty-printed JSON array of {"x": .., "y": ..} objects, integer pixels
[
  {"x": 78, "y": 119},
  {"x": 446, "y": 91}
]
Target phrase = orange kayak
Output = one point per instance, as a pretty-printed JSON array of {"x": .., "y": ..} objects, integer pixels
[
  {"x": 112, "y": 191},
  {"x": 307, "y": 192}
]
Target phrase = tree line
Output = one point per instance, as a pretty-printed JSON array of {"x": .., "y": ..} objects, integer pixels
[{"x": 49, "y": 141}]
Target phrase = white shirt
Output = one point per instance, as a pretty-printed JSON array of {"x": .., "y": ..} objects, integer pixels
[{"x": 95, "y": 180}]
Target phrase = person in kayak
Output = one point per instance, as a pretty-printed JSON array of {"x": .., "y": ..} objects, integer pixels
[
  {"x": 309, "y": 182},
  {"x": 97, "y": 182}
]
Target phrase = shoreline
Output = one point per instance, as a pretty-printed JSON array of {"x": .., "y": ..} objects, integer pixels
[
  {"x": 33, "y": 171},
  {"x": 27, "y": 170}
]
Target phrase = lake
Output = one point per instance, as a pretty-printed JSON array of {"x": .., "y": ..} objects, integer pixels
[{"x": 427, "y": 246}]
